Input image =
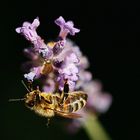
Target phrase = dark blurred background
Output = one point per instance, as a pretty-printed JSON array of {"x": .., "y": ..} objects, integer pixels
[{"x": 109, "y": 37}]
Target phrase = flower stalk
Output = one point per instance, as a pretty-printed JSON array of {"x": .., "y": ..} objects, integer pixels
[{"x": 94, "y": 128}]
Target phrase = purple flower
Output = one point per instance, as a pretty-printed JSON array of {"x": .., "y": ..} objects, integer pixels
[
  {"x": 72, "y": 58},
  {"x": 98, "y": 100},
  {"x": 84, "y": 77},
  {"x": 30, "y": 76},
  {"x": 29, "y": 30},
  {"x": 45, "y": 52},
  {"x": 57, "y": 63},
  {"x": 58, "y": 47},
  {"x": 68, "y": 71},
  {"x": 35, "y": 73},
  {"x": 66, "y": 27},
  {"x": 102, "y": 102}
]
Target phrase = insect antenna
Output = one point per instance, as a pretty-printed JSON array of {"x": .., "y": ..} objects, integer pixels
[
  {"x": 15, "y": 100},
  {"x": 25, "y": 86},
  {"x": 21, "y": 99}
]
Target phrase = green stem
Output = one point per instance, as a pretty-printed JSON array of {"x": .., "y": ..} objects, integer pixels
[{"x": 94, "y": 128}]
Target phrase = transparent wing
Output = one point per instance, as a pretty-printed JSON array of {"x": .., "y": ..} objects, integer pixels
[{"x": 66, "y": 115}]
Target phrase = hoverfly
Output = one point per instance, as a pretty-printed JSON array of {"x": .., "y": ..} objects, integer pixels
[{"x": 48, "y": 105}]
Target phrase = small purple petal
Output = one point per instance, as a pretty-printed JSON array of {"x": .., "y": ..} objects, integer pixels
[
  {"x": 30, "y": 76},
  {"x": 69, "y": 26},
  {"x": 26, "y": 24},
  {"x": 84, "y": 63},
  {"x": 45, "y": 52},
  {"x": 62, "y": 42},
  {"x": 35, "y": 23},
  {"x": 69, "y": 69},
  {"x": 37, "y": 71},
  {"x": 18, "y": 30},
  {"x": 60, "y": 81},
  {"x": 66, "y": 27},
  {"x": 29, "y": 30},
  {"x": 72, "y": 77},
  {"x": 102, "y": 102},
  {"x": 60, "y": 21},
  {"x": 57, "y": 63},
  {"x": 74, "y": 30},
  {"x": 71, "y": 85},
  {"x": 72, "y": 58},
  {"x": 85, "y": 76},
  {"x": 57, "y": 49}
]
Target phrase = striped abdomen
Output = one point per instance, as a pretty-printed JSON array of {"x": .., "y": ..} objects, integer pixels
[{"x": 74, "y": 102}]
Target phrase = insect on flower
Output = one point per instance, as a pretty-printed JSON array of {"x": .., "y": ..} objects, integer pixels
[
  {"x": 53, "y": 62},
  {"x": 48, "y": 105}
]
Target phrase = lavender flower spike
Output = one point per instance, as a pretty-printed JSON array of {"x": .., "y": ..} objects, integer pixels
[
  {"x": 66, "y": 27},
  {"x": 29, "y": 30}
]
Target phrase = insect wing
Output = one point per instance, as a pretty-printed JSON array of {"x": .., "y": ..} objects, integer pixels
[{"x": 68, "y": 115}]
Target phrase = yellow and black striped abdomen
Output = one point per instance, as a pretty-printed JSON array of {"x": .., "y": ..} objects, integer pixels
[{"x": 75, "y": 101}]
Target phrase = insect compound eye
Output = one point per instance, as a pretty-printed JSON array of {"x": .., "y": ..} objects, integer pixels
[{"x": 30, "y": 104}]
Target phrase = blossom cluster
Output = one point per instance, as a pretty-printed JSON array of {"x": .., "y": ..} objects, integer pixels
[
  {"x": 52, "y": 59},
  {"x": 58, "y": 61}
]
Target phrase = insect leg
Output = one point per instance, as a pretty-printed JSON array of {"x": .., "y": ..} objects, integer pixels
[
  {"x": 30, "y": 85},
  {"x": 65, "y": 91},
  {"x": 66, "y": 86},
  {"x": 48, "y": 122}
]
